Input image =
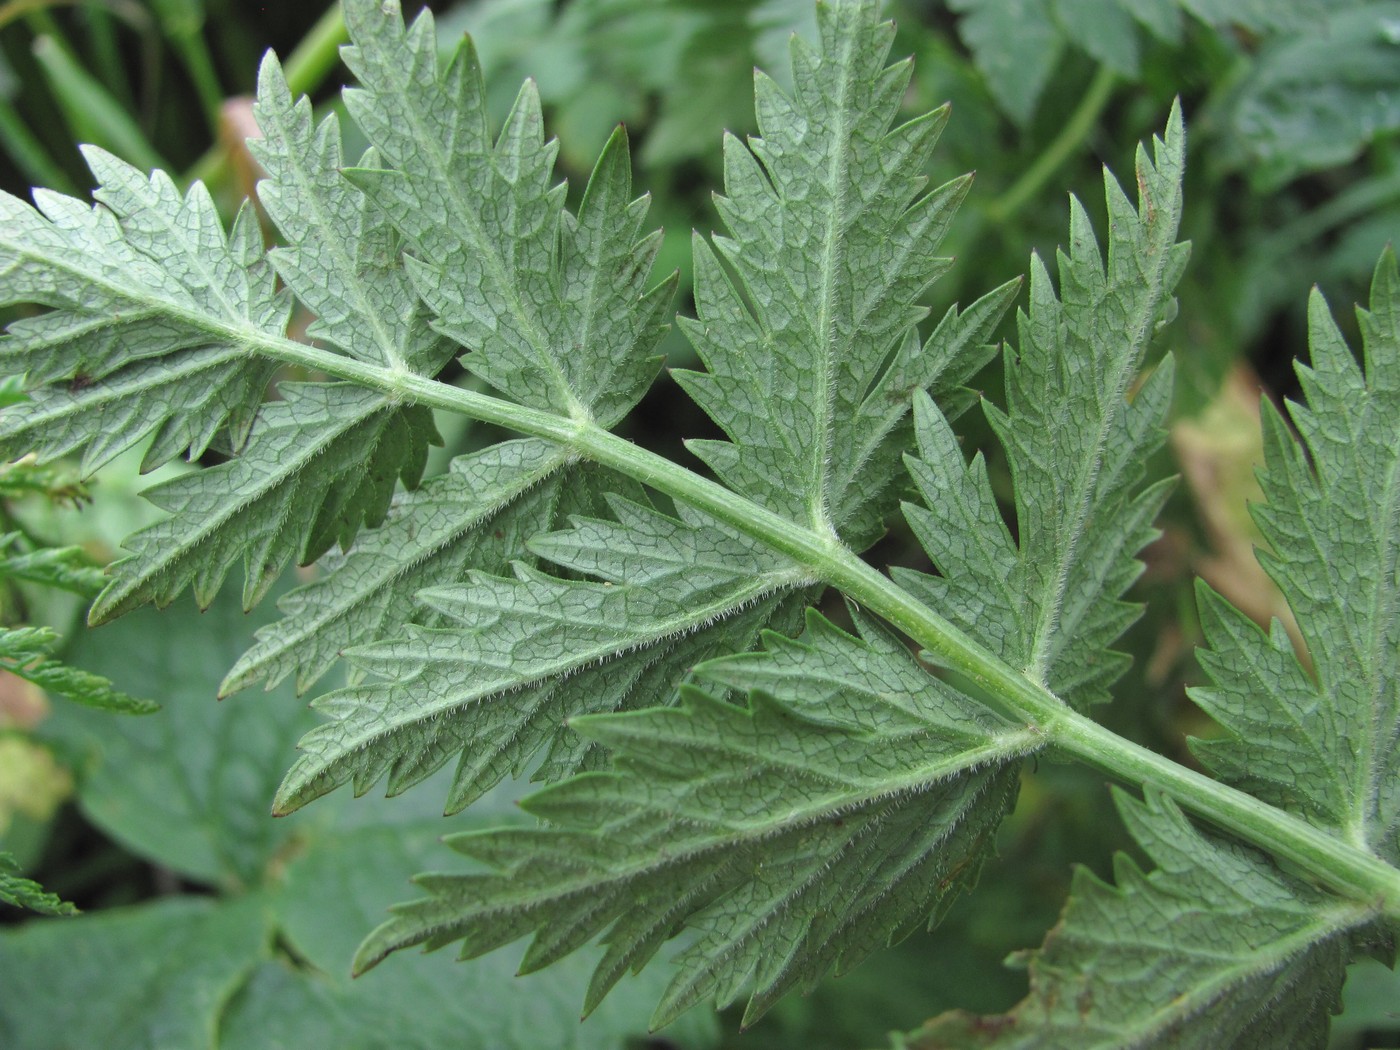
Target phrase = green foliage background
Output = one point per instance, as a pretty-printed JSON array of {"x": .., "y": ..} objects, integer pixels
[{"x": 243, "y": 925}]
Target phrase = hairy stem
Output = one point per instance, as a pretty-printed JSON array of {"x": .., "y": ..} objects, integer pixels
[{"x": 1347, "y": 870}]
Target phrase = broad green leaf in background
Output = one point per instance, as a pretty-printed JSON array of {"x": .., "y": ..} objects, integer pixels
[
  {"x": 1018, "y": 44},
  {"x": 1315, "y": 100},
  {"x": 267, "y": 964},
  {"x": 156, "y": 975},
  {"x": 190, "y": 788},
  {"x": 430, "y": 1003}
]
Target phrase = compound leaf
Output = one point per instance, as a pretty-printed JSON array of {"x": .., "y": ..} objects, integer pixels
[{"x": 552, "y": 305}]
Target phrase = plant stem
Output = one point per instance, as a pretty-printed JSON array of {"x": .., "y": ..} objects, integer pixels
[
  {"x": 1075, "y": 130},
  {"x": 1347, "y": 870},
  {"x": 318, "y": 52}
]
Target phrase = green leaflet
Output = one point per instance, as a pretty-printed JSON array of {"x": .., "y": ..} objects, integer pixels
[
  {"x": 150, "y": 303},
  {"x": 1076, "y": 445},
  {"x": 321, "y": 460},
  {"x": 1332, "y": 521},
  {"x": 832, "y": 240},
  {"x": 521, "y": 656},
  {"x": 342, "y": 258},
  {"x": 839, "y": 811},
  {"x": 1216, "y": 948},
  {"x": 67, "y": 568},
  {"x": 530, "y": 289}
]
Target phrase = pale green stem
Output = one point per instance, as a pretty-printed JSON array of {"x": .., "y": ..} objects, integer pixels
[
  {"x": 1072, "y": 134},
  {"x": 1349, "y": 871},
  {"x": 304, "y": 69}
]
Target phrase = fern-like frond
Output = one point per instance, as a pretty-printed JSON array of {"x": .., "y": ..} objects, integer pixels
[
  {"x": 532, "y": 290},
  {"x": 1076, "y": 434},
  {"x": 1325, "y": 742},
  {"x": 840, "y": 810},
  {"x": 1216, "y": 948},
  {"x": 67, "y": 568},
  {"x": 20, "y": 892},
  {"x": 28, "y": 653}
]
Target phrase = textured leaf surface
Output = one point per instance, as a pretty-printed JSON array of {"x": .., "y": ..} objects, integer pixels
[
  {"x": 838, "y": 812},
  {"x": 478, "y": 515},
  {"x": 151, "y": 304},
  {"x": 1076, "y": 444},
  {"x": 831, "y": 240},
  {"x": 552, "y": 305},
  {"x": 321, "y": 461},
  {"x": 1326, "y": 742},
  {"x": 523, "y": 654},
  {"x": 342, "y": 258},
  {"x": 324, "y": 459},
  {"x": 1216, "y": 948},
  {"x": 20, "y": 892}
]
